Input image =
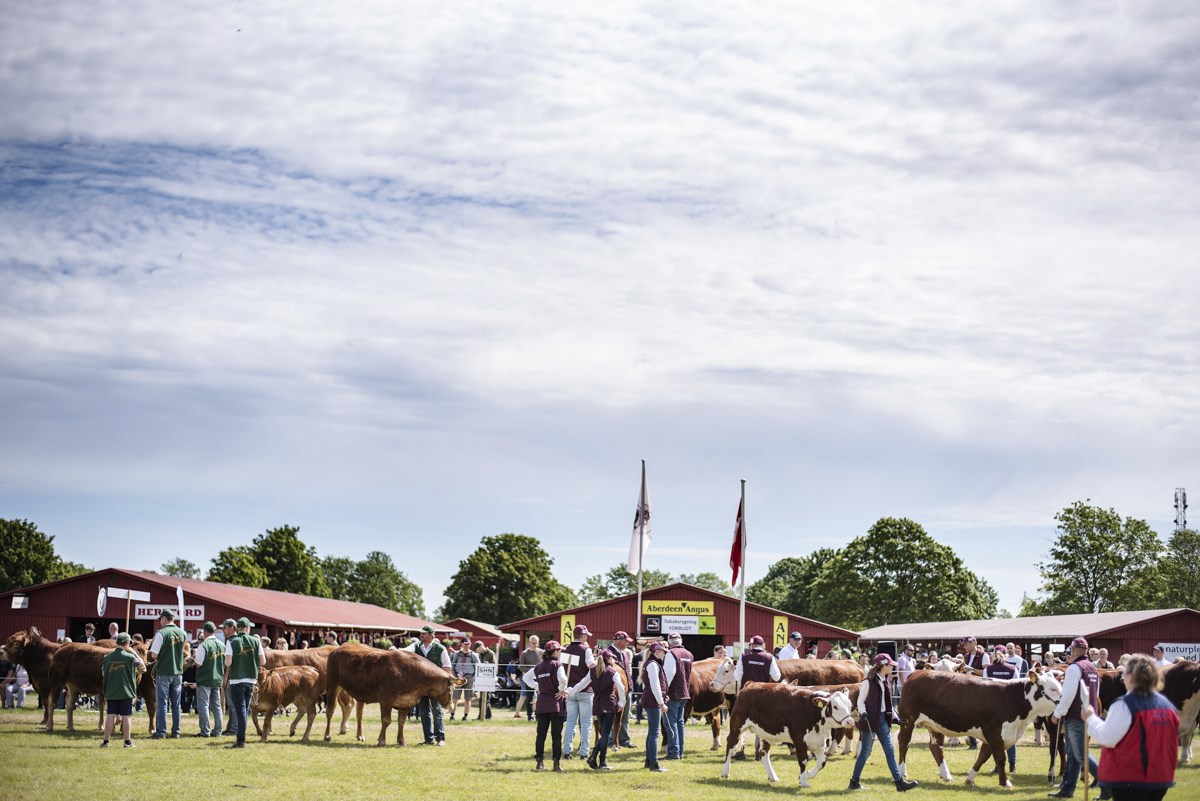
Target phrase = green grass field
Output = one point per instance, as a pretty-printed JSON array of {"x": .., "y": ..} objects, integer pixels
[{"x": 481, "y": 760}]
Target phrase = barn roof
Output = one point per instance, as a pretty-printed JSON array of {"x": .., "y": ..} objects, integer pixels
[
  {"x": 474, "y": 625},
  {"x": 1048, "y": 627}
]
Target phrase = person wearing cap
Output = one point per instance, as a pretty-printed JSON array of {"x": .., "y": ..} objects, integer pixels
[
  {"x": 756, "y": 664},
  {"x": 793, "y": 648},
  {"x": 677, "y": 666},
  {"x": 579, "y": 661},
  {"x": 120, "y": 668},
  {"x": 464, "y": 663},
  {"x": 1002, "y": 670},
  {"x": 486, "y": 657},
  {"x": 608, "y": 684},
  {"x": 1080, "y": 682},
  {"x": 1159, "y": 655},
  {"x": 1139, "y": 737},
  {"x": 432, "y": 724},
  {"x": 227, "y": 632},
  {"x": 167, "y": 650},
  {"x": 210, "y": 671},
  {"x": 244, "y": 657},
  {"x": 527, "y": 661},
  {"x": 549, "y": 680},
  {"x": 654, "y": 699},
  {"x": 875, "y": 719},
  {"x": 623, "y": 656}
]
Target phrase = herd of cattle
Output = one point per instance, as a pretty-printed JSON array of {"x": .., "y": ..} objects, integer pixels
[{"x": 812, "y": 710}]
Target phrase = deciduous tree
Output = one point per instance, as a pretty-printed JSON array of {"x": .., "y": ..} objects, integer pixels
[
  {"x": 236, "y": 565},
  {"x": 181, "y": 568},
  {"x": 788, "y": 582},
  {"x": 377, "y": 581},
  {"x": 1181, "y": 570},
  {"x": 290, "y": 566},
  {"x": 708, "y": 580},
  {"x": 617, "y": 582},
  {"x": 29, "y": 557},
  {"x": 507, "y": 578}
]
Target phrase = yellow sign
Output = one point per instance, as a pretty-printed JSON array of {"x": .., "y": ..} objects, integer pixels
[
  {"x": 779, "y": 636},
  {"x": 566, "y": 628},
  {"x": 708, "y": 625},
  {"x": 677, "y": 607}
]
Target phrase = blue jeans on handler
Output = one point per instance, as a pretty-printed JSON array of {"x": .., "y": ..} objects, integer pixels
[
  {"x": 1074, "y": 737},
  {"x": 675, "y": 710},
  {"x": 433, "y": 725},
  {"x": 885, "y": 742},
  {"x": 167, "y": 688},
  {"x": 208, "y": 700},
  {"x": 653, "y": 724},
  {"x": 579, "y": 710}
]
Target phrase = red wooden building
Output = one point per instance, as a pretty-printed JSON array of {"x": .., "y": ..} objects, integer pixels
[
  {"x": 62, "y": 607},
  {"x": 703, "y": 617},
  {"x": 486, "y": 633}
]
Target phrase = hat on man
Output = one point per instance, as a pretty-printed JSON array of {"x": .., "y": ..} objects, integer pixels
[
  {"x": 209, "y": 626},
  {"x": 427, "y": 629},
  {"x": 1158, "y": 648},
  {"x": 675, "y": 638},
  {"x": 657, "y": 646},
  {"x": 244, "y": 623},
  {"x": 883, "y": 659},
  {"x": 553, "y": 645},
  {"x": 166, "y": 614},
  {"x": 582, "y": 631},
  {"x": 229, "y": 623},
  {"x": 124, "y": 639},
  {"x": 620, "y": 635},
  {"x": 968, "y": 639},
  {"x": 796, "y": 636},
  {"x": 757, "y": 640},
  {"x": 1079, "y": 642}
]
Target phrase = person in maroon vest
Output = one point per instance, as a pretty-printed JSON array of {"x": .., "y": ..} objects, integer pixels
[
  {"x": 677, "y": 665},
  {"x": 608, "y": 692},
  {"x": 579, "y": 661},
  {"x": 1080, "y": 678},
  {"x": 1002, "y": 670},
  {"x": 619, "y": 648},
  {"x": 1139, "y": 738},
  {"x": 875, "y": 719},
  {"x": 756, "y": 664},
  {"x": 549, "y": 679},
  {"x": 654, "y": 698}
]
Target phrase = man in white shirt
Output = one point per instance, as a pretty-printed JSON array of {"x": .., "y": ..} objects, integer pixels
[
  {"x": 905, "y": 665},
  {"x": 1158, "y": 655},
  {"x": 792, "y": 649}
]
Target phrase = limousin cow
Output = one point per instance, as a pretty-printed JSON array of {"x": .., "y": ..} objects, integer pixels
[
  {"x": 784, "y": 713},
  {"x": 995, "y": 712},
  {"x": 301, "y": 685},
  {"x": 393, "y": 679},
  {"x": 33, "y": 652},
  {"x": 79, "y": 667},
  {"x": 1181, "y": 685},
  {"x": 316, "y": 658}
]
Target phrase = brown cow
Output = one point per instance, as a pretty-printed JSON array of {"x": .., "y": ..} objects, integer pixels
[
  {"x": 79, "y": 668},
  {"x": 1181, "y": 686},
  {"x": 293, "y": 684},
  {"x": 784, "y": 713},
  {"x": 315, "y": 658},
  {"x": 705, "y": 702},
  {"x": 393, "y": 679},
  {"x": 995, "y": 712},
  {"x": 800, "y": 672},
  {"x": 34, "y": 652}
]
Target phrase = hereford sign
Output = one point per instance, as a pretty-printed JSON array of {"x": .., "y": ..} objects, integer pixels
[{"x": 153, "y": 611}]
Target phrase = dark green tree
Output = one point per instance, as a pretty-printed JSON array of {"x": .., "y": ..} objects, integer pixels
[
  {"x": 181, "y": 568},
  {"x": 506, "y": 579},
  {"x": 708, "y": 580},
  {"x": 788, "y": 582},
  {"x": 377, "y": 581},
  {"x": 617, "y": 582},
  {"x": 29, "y": 557},
  {"x": 1181, "y": 570},
  {"x": 1100, "y": 562},
  {"x": 290, "y": 566},
  {"x": 896, "y": 573},
  {"x": 339, "y": 575},
  {"x": 236, "y": 565}
]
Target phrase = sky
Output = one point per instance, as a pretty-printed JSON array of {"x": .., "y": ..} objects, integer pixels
[{"x": 410, "y": 275}]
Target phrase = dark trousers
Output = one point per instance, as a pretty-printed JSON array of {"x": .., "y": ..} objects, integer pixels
[
  {"x": 239, "y": 699},
  {"x": 554, "y": 724},
  {"x": 1137, "y": 794},
  {"x": 600, "y": 755},
  {"x": 432, "y": 725}
]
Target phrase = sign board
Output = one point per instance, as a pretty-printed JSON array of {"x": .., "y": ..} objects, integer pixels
[
  {"x": 133, "y": 595},
  {"x": 485, "y": 678},
  {"x": 687, "y": 624},
  {"x": 152, "y": 612},
  {"x": 566, "y": 629},
  {"x": 1174, "y": 650},
  {"x": 677, "y": 608},
  {"x": 708, "y": 624},
  {"x": 779, "y": 632},
  {"x": 20, "y": 602},
  {"x": 652, "y": 624}
]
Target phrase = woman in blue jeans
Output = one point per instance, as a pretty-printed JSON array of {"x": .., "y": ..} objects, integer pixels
[
  {"x": 654, "y": 701},
  {"x": 875, "y": 719}
]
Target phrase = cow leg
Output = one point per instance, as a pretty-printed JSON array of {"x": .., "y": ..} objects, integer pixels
[
  {"x": 1185, "y": 745},
  {"x": 802, "y": 758},
  {"x": 268, "y": 716},
  {"x": 254, "y": 719},
  {"x": 902, "y": 741},
  {"x": 714, "y": 722},
  {"x": 401, "y": 719},
  {"x": 329, "y": 707},
  {"x": 385, "y": 715},
  {"x": 735, "y": 733},
  {"x": 359, "y": 713},
  {"x": 343, "y": 700},
  {"x": 766, "y": 762},
  {"x": 151, "y": 702},
  {"x": 937, "y": 748},
  {"x": 72, "y": 698}
]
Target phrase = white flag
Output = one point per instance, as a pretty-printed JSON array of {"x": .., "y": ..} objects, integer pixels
[
  {"x": 179, "y": 597},
  {"x": 641, "y": 529}
]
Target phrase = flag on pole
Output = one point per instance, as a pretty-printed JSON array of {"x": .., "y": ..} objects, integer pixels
[
  {"x": 179, "y": 597},
  {"x": 739, "y": 538},
  {"x": 641, "y": 530}
]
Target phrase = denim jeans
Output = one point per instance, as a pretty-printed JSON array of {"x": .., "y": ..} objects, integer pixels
[
  {"x": 433, "y": 724},
  {"x": 239, "y": 701},
  {"x": 885, "y": 742},
  {"x": 1074, "y": 737},
  {"x": 675, "y": 710},
  {"x": 167, "y": 688},
  {"x": 579, "y": 710},
  {"x": 209, "y": 698},
  {"x": 653, "y": 724},
  {"x": 14, "y": 695}
]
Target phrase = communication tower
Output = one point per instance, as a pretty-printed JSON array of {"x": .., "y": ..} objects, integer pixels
[{"x": 1180, "y": 508}]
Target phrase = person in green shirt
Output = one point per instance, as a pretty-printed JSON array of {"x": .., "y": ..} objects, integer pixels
[
  {"x": 243, "y": 657},
  {"x": 167, "y": 649},
  {"x": 120, "y": 669},
  {"x": 210, "y": 670}
]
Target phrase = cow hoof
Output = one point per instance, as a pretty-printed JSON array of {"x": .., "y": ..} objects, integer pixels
[
  {"x": 970, "y": 782},
  {"x": 1006, "y": 786}
]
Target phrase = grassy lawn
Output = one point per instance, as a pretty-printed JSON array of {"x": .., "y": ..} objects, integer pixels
[{"x": 492, "y": 760}]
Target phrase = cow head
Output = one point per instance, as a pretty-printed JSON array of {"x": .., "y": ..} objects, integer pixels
[
  {"x": 1043, "y": 692},
  {"x": 836, "y": 707},
  {"x": 451, "y": 683},
  {"x": 15, "y": 647},
  {"x": 722, "y": 680}
]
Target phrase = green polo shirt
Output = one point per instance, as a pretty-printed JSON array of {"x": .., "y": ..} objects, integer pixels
[{"x": 120, "y": 675}]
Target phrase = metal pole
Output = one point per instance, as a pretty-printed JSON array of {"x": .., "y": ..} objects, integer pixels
[
  {"x": 742, "y": 579},
  {"x": 637, "y": 627}
]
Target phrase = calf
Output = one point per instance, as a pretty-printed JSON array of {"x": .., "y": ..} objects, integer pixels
[
  {"x": 1181, "y": 686},
  {"x": 316, "y": 658},
  {"x": 783, "y": 713},
  {"x": 34, "y": 652},
  {"x": 293, "y": 684},
  {"x": 995, "y": 712},
  {"x": 393, "y": 679}
]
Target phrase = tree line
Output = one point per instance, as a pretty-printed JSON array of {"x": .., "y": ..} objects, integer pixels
[{"x": 896, "y": 572}]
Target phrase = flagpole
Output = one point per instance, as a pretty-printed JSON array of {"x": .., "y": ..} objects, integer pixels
[
  {"x": 637, "y": 626},
  {"x": 742, "y": 577}
]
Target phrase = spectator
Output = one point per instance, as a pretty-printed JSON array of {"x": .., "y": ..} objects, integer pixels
[
  {"x": 89, "y": 633},
  {"x": 1159, "y": 654},
  {"x": 1017, "y": 660},
  {"x": 486, "y": 657},
  {"x": 16, "y": 685},
  {"x": 113, "y": 628},
  {"x": 792, "y": 649},
  {"x": 464, "y": 663},
  {"x": 1104, "y": 663},
  {"x": 281, "y": 644},
  {"x": 528, "y": 660},
  {"x": 549, "y": 679},
  {"x": 905, "y": 666},
  {"x": 1138, "y": 738}
]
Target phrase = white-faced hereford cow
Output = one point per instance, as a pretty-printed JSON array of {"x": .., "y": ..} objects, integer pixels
[
  {"x": 995, "y": 712},
  {"x": 784, "y": 713},
  {"x": 393, "y": 679},
  {"x": 1181, "y": 686}
]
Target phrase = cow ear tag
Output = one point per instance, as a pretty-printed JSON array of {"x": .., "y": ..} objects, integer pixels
[{"x": 820, "y": 702}]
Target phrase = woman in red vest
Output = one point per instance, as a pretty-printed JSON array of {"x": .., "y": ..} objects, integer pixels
[{"x": 1140, "y": 736}]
